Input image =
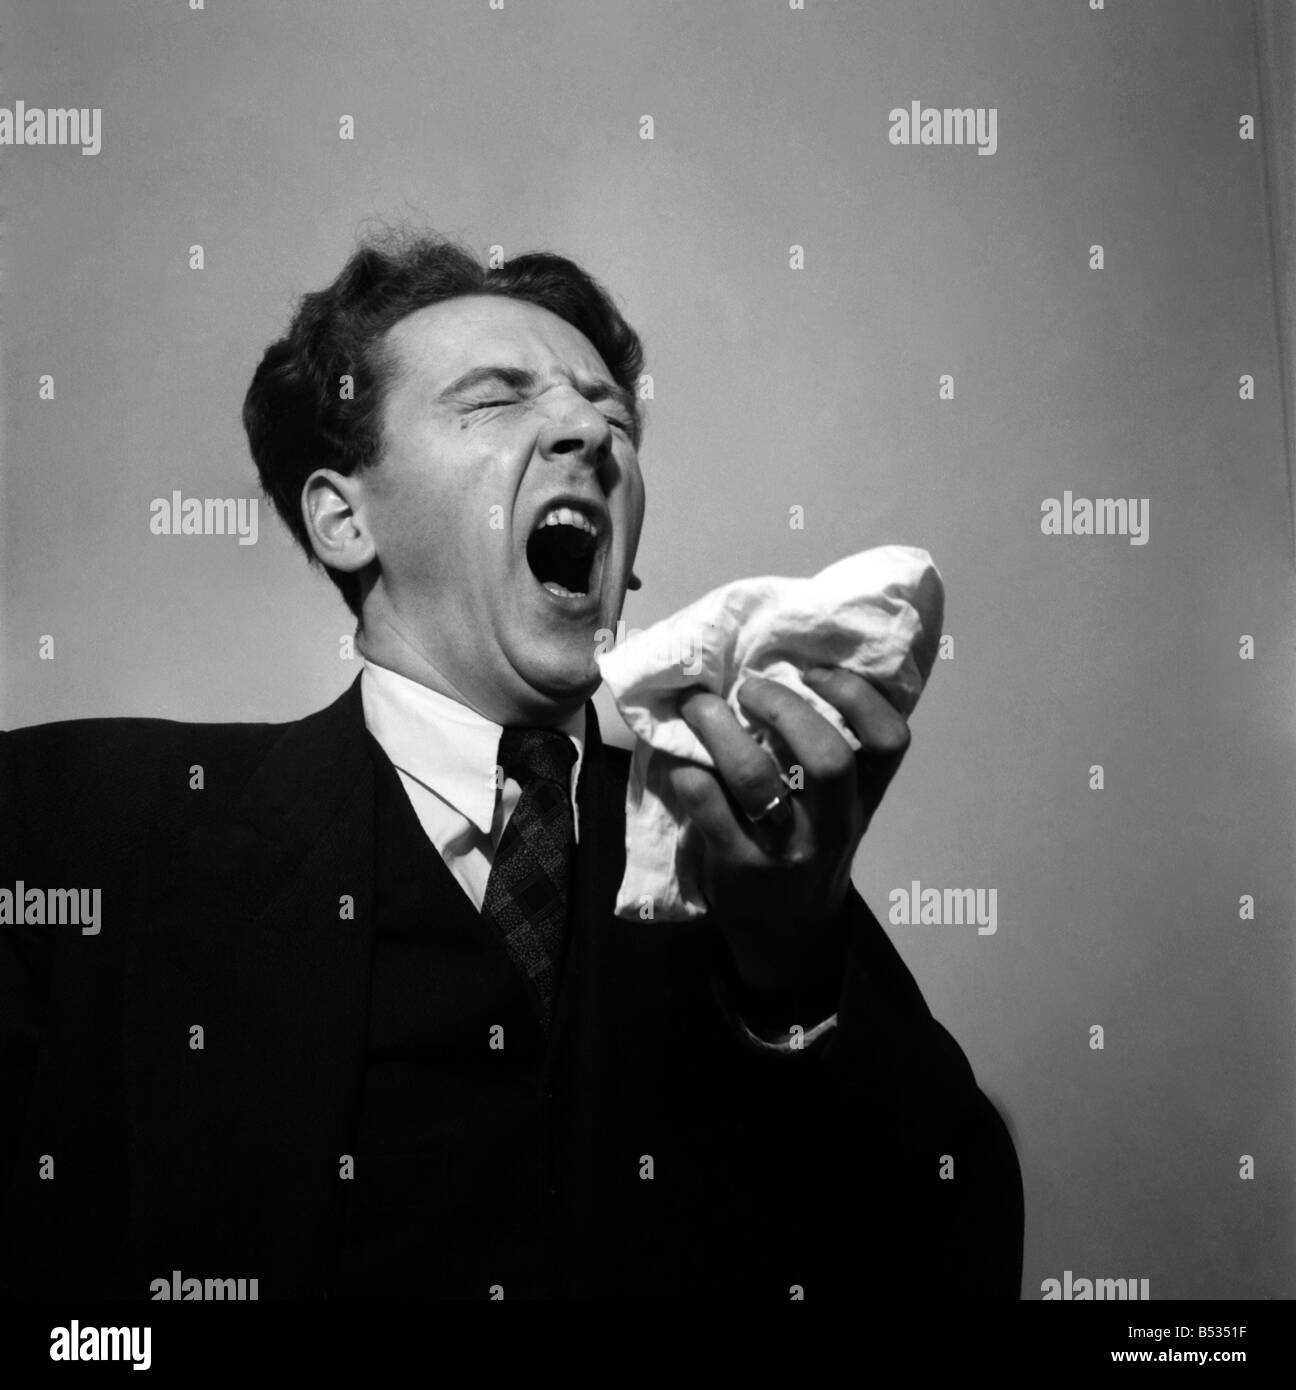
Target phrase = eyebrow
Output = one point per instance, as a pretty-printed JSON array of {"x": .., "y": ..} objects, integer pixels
[{"x": 519, "y": 379}]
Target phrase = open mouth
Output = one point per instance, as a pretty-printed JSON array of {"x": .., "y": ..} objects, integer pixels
[{"x": 562, "y": 552}]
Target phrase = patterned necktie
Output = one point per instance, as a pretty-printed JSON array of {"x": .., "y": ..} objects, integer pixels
[{"x": 526, "y": 894}]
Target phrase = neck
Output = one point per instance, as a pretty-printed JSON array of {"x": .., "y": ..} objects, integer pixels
[{"x": 386, "y": 644}]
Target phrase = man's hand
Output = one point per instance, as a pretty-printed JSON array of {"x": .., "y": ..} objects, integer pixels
[{"x": 776, "y": 880}]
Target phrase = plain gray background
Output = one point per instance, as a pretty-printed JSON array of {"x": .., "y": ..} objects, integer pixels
[{"x": 773, "y": 388}]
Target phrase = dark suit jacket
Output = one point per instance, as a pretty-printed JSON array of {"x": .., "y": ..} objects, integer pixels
[{"x": 821, "y": 1169}]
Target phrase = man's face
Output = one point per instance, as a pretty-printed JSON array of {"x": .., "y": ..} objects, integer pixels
[{"x": 505, "y": 508}]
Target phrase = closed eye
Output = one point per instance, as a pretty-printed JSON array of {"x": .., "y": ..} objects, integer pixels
[{"x": 618, "y": 421}]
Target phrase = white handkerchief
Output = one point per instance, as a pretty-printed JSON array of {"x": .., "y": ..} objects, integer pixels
[{"x": 877, "y": 614}]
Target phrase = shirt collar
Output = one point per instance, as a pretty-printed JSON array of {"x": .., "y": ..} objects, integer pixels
[{"x": 450, "y": 749}]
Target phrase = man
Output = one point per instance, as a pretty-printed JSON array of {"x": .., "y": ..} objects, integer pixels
[{"x": 358, "y": 1020}]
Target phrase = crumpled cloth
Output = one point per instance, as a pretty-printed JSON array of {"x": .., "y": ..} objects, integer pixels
[{"x": 877, "y": 613}]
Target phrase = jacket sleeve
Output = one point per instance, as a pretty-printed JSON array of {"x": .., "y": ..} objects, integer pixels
[
  {"x": 910, "y": 1158},
  {"x": 24, "y": 974}
]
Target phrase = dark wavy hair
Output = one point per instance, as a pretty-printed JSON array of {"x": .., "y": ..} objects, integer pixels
[{"x": 295, "y": 413}]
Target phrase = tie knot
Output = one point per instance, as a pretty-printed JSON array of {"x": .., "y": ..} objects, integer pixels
[{"x": 528, "y": 755}]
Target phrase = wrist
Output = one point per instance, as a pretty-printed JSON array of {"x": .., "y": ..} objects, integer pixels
[{"x": 794, "y": 979}]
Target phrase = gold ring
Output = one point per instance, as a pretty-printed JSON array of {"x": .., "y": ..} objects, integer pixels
[{"x": 773, "y": 806}]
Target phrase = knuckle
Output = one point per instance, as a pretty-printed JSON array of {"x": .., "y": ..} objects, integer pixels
[
  {"x": 755, "y": 781},
  {"x": 892, "y": 738},
  {"x": 691, "y": 785},
  {"x": 830, "y": 765}
]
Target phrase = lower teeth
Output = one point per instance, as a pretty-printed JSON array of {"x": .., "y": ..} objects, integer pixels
[{"x": 555, "y": 588}]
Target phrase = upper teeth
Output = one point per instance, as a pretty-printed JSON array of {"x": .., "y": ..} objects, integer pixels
[{"x": 564, "y": 516}]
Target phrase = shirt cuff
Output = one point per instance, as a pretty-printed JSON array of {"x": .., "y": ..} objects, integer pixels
[
  {"x": 797, "y": 1039},
  {"x": 770, "y": 1038}
]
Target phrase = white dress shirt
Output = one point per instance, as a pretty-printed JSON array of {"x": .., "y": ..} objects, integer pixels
[{"x": 446, "y": 756}]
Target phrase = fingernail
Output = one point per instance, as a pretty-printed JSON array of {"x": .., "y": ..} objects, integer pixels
[{"x": 816, "y": 674}]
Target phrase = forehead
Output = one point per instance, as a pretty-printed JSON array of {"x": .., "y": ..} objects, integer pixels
[{"x": 440, "y": 342}]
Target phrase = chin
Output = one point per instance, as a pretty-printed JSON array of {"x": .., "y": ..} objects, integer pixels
[{"x": 567, "y": 681}]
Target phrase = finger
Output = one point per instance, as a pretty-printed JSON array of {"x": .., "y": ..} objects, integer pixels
[
  {"x": 825, "y": 756},
  {"x": 750, "y": 774},
  {"x": 701, "y": 797},
  {"x": 882, "y": 730}
]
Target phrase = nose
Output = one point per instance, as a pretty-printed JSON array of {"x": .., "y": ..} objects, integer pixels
[{"x": 575, "y": 431}]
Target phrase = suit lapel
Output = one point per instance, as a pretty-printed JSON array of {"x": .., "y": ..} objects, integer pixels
[{"x": 256, "y": 929}]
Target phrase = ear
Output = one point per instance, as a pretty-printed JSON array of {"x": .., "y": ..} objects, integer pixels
[{"x": 333, "y": 510}]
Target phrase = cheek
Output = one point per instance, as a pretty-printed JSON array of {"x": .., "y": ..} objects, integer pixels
[
  {"x": 635, "y": 508},
  {"x": 430, "y": 524},
  {"x": 405, "y": 518},
  {"x": 447, "y": 511},
  {"x": 629, "y": 490}
]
